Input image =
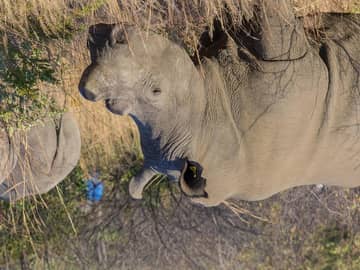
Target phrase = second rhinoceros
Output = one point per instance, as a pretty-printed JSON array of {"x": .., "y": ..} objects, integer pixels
[
  {"x": 39, "y": 159},
  {"x": 265, "y": 109}
]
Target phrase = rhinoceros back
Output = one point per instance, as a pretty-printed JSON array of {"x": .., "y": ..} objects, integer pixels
[{"x": 46, "y": 156}]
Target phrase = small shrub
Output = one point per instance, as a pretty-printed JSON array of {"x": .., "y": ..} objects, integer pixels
[{"x": 22, "y": 103}]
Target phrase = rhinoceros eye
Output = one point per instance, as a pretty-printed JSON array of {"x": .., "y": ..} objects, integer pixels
[{"x": 156, "y": 91}]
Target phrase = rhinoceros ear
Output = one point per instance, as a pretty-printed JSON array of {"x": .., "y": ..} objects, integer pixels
[
  {"x": 191, "y": 181},
  {"x": 98, "y": 39},
  {"x": 104, "y": 35},
  {"x": 138, "y": 183}
]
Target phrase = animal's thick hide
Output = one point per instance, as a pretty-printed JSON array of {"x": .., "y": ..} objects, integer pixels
[
  {"x": 262, "y": 108},
  {"x": 36, "y": 163}
]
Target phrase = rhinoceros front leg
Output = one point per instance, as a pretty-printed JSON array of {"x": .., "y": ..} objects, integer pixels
[{"x": 281, "y": 35}]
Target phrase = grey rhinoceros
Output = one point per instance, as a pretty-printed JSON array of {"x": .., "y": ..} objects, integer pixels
[
  {"x": 38, "y": 161},
  {"x": 262, "y": 109}
]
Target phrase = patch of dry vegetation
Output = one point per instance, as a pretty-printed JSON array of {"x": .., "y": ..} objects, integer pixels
[
  {"x": 60, "y": 28},
  {"x": 304, "y": 7}
]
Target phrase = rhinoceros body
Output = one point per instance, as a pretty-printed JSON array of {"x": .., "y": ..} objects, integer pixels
[
  {"x": 37, "y": 162},
  {"x": 265, "y": 110}
]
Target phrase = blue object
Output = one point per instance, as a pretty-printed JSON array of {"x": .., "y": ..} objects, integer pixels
[{"x": 94, "y": 189}]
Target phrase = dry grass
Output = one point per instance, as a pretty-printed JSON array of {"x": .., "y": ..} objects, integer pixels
[
  {"x": 304, "y": 7},
  {"x": 104, "y": 135},
  {"x": 170, "y": 15}
]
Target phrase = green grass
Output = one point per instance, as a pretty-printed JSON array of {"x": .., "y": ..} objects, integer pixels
[
  {"x": 30, "y": 226},
  {"x": 336, "y": 249}
]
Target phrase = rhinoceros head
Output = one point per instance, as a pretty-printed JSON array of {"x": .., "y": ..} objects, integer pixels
[{"x": 154, "y": 81}]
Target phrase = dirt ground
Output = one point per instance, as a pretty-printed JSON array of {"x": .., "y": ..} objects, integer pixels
[{"x": 303, "y": 228}]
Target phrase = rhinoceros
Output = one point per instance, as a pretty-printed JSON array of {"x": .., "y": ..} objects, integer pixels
[
  {"x": 263, "y": 107},
  {"x": 39, "y": 160}
]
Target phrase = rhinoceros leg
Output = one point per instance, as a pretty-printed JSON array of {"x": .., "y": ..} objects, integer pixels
[{"x": 281, "y": 35}]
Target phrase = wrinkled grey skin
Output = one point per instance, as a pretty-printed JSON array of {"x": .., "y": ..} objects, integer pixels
[
  {"x": 39, "y": 161},
  {"x": 267, "y": 110}
]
